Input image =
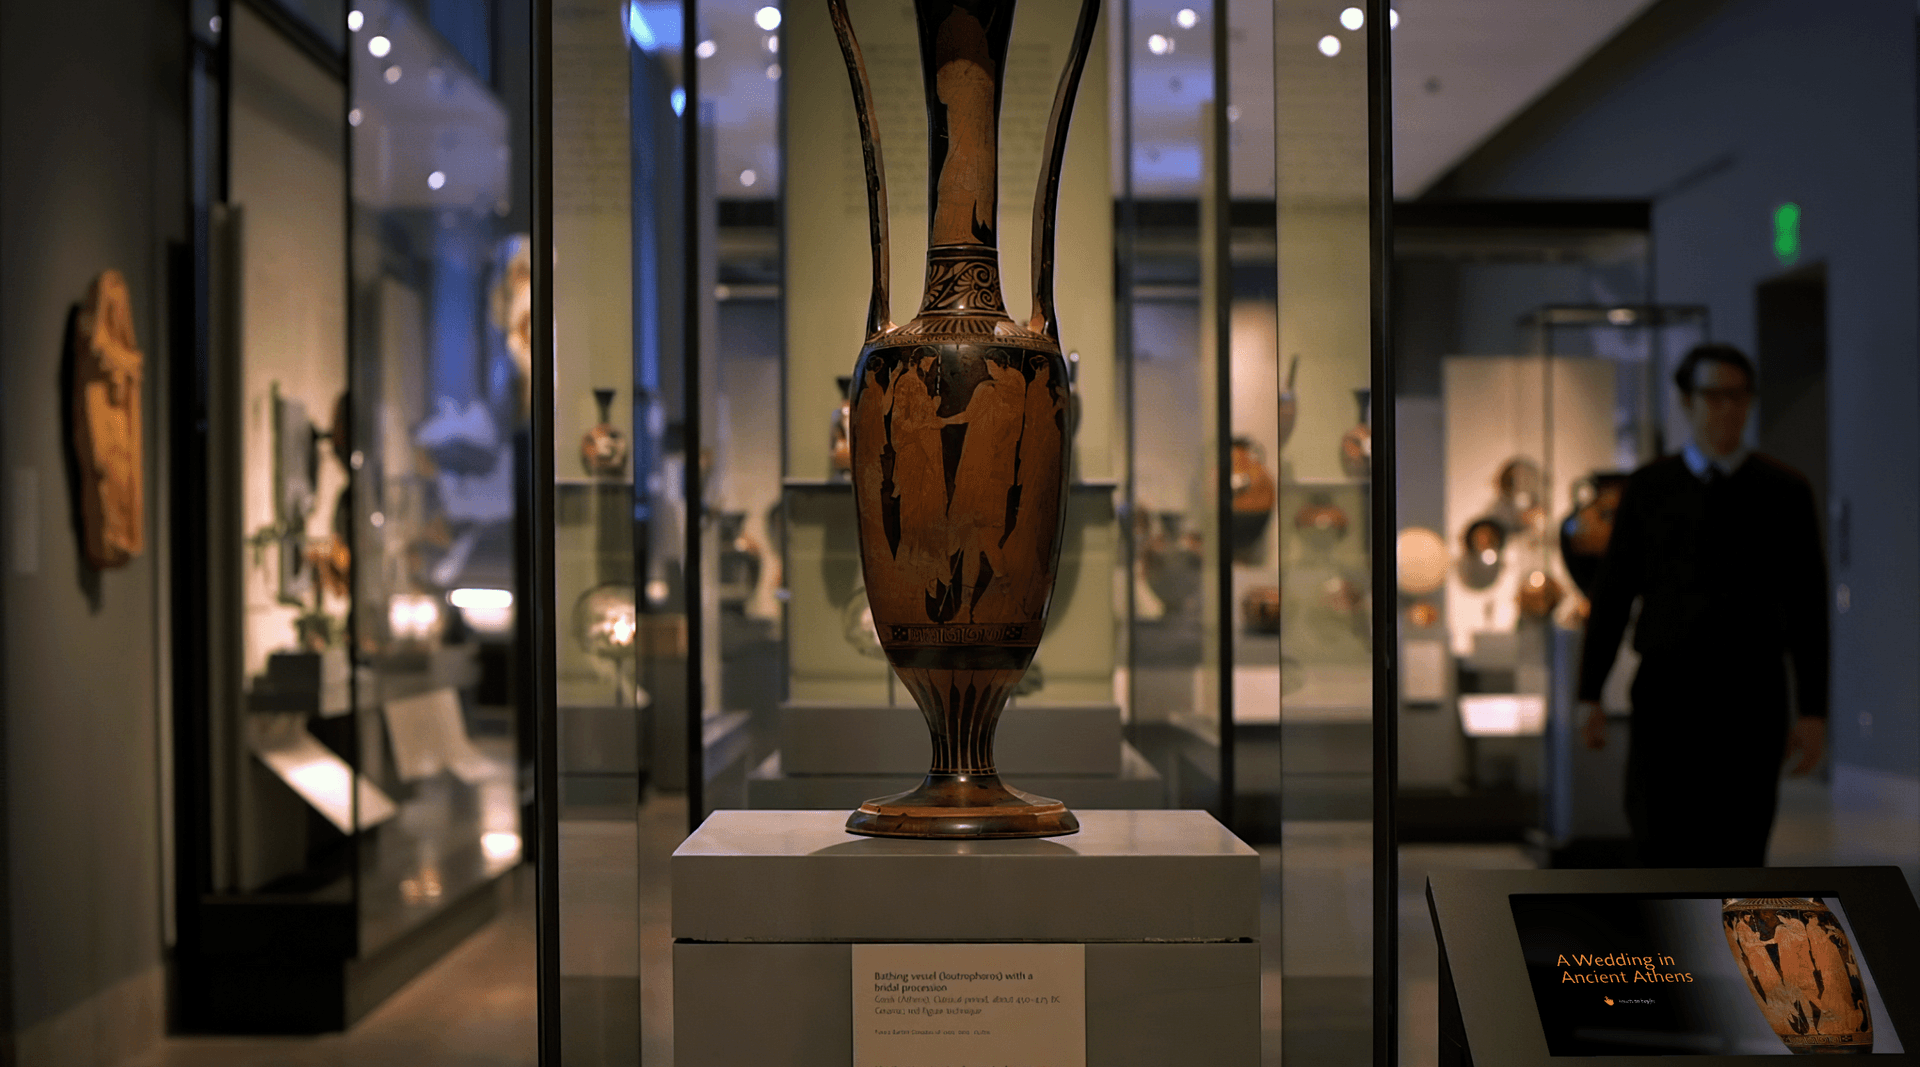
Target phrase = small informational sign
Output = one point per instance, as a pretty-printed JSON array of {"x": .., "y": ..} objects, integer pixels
[
  {"x": 1760, "y": 975},
  {"x": 969, "y": 1005}
]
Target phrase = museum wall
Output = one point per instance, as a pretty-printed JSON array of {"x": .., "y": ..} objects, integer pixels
[
  {"x": 1718, "y": 113},
  {"x": 92, "y": 176}
]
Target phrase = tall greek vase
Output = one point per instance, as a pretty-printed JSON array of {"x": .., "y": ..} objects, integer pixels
[{"x": 960, "y": 433}]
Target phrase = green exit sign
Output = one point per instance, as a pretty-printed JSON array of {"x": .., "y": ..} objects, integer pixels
[{"x": 1786, "y": 233}]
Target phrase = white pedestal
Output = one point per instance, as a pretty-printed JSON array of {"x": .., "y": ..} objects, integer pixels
[{"x": 768, "y": 903}]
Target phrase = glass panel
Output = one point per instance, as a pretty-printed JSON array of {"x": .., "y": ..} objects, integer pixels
[
  {"x": 1170, "y": 210},
  {"x": 626, "y": 606},
  {"x": 281, "y": 263},
  {"x": 1327, "y": 714},
  {"x": 739, "y": 577},
  {"x": 435, "y": 414},
  {"x": 1527, "y": 363}
]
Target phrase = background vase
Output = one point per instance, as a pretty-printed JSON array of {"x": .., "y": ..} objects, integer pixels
[
  {"x": 1356, "y": 445},
  {"x": 839, "y": 451},
  {"x": 1254, "y": 495},
  {"x": 603, "y": 449},
  {"x": 1800, "y": 968},
  {"x": 1585, "y": 532},
  {"x": 960, "y": 434},
  {"x": 1260, "y": 609}
]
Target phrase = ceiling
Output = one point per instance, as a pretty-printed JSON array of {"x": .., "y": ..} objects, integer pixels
[{"x": 1462, "y": 69}]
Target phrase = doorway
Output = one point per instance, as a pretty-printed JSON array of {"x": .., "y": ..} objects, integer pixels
[{"x": 1790, "y": 345}]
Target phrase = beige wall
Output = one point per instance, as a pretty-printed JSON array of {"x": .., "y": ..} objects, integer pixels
[{"x": 92, "y": 176}]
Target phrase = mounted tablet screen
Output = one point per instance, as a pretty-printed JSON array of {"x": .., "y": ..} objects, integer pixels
[{"x": 1623, "y": 975}]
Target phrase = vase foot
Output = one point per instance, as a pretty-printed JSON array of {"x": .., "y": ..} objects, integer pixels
[{"x": 963, "y": 806}]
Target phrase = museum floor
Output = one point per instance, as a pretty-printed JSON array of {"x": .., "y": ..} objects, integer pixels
[{"x": 476, "y": 1006}]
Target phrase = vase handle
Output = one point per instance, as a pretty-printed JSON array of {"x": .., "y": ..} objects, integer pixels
[
  {"x": 1046, "y": 199},
  {"x": 879, "y": 307}
]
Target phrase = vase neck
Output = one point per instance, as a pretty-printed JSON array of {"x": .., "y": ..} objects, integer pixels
[{"x": 963, "y": 52}]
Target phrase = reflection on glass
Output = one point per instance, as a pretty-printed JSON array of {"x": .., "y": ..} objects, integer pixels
[
  {"x": 434, "y": 412},
  {"x": 1323, "y": 667}
]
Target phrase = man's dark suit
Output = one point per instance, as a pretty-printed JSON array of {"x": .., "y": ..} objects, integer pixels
[{"x": 1731, "y": 581}]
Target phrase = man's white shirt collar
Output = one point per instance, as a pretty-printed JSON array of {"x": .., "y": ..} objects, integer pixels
[{"x": 1697, "y": 460}]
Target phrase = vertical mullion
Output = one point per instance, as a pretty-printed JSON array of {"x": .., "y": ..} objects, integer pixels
[
  {"x": 1380, "y": 530},
  {"x": 690, "y": 436},
  {"x": 1222, "y": 193},
  {"x": 540, "y": 596}
]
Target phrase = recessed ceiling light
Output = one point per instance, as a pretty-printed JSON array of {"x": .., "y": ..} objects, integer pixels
[
  {"x": 353, "y": 117},
  {"x": 1159, "y": 45},
  {"x": 773, "y": 72},
  {"x": 1353, "y": 18},
  {"x": 704, "y": 49},
  {"x": 393, "y": 74},
  {"x": 767, "y": 18},
  {"x": 1186, "y": 18},
  {"x": 355, "y": 20},
  {"x": 1329, "y": 45},
  {"x": 436, "y": 180},
  {"x": 1393, "y": 19},
  {"x": 379, "y": 47},
  {"x": 747, "y": 178}
]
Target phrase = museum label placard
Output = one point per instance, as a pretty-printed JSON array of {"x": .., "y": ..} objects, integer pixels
[{"x": 965, "y": 1005}]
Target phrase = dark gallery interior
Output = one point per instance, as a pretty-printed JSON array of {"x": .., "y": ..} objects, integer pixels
[{"x": 468, "y": 588}]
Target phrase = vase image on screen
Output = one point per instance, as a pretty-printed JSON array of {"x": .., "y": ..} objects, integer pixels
[
  {"x": 1626, "y": 975},
  {"x": 1801, "y": 968}
]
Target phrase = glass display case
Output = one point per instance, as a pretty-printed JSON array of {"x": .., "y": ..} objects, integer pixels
[
  {"x": 712, "y": 247},
  {"x": 352, "y": 785}
]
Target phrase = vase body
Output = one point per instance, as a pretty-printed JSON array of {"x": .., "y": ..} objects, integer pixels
[
  {"x": 1584, "y": 533},
  {"x": 1260, "y": 609},
  {"x": 603, "y": 449},
  {"x": 959, "y": 437},
  {"x": 1800, "y": 969},
  {"x": 1254, "y": 495},
  {"x": 1356, "y": 445},
  {"x": 839, "y": 451}
]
